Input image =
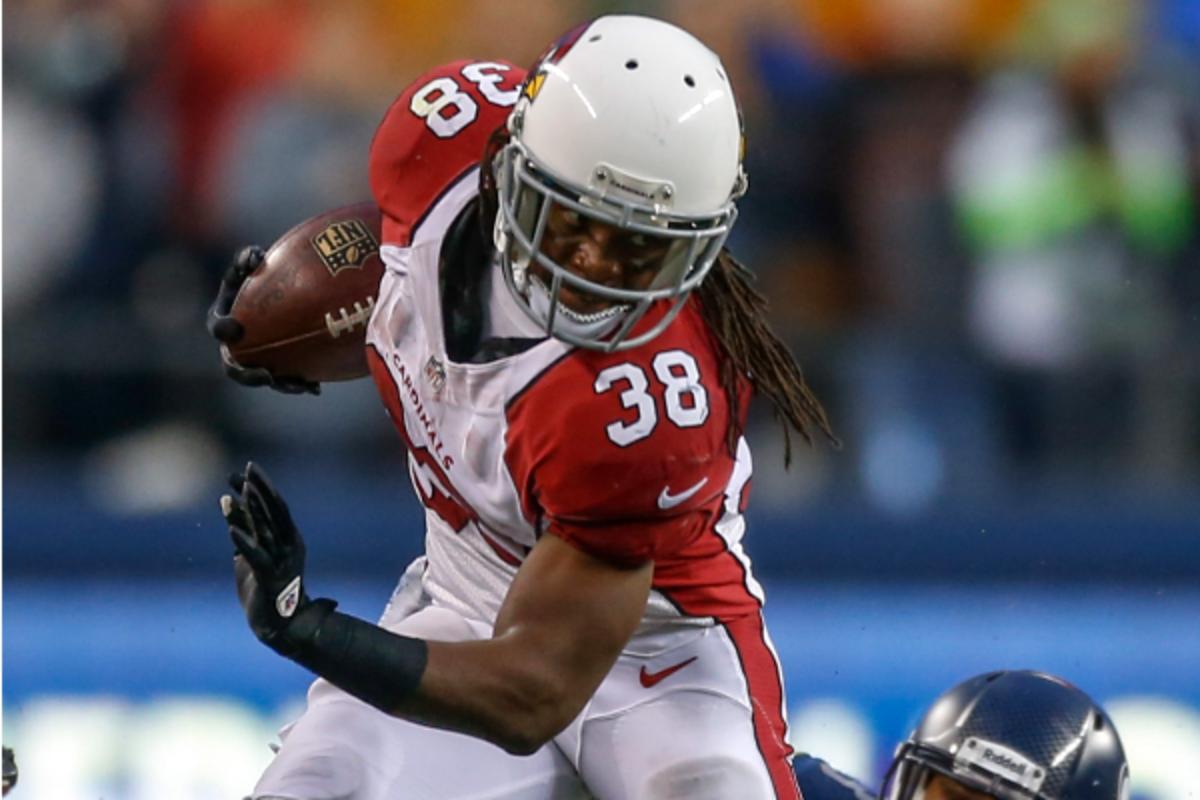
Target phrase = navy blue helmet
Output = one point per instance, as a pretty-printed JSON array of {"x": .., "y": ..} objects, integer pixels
[{"x": 1014, "y": 735}]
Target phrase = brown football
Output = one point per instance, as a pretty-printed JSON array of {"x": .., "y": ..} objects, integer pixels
[{"x": 305, "y": 308}]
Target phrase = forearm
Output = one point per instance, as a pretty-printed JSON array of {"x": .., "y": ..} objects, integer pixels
[
  {"x": 491, "y": 689},
  {"x": 365, "y": 660},
  {"x": 495, "y": 689}
]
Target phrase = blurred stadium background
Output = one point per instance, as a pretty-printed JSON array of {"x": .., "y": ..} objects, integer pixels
[{"x": 977, "y": 221}]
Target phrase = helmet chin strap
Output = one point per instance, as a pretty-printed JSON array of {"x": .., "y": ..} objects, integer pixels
[{"x": 592, "y": 326}]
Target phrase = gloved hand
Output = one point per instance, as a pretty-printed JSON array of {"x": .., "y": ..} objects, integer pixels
[
  {"x": 9, "y": 772},
  {"x": 227, "y": 330},
  {"x": 373, "y": 664},
  {"x": 269, "y": 564}
]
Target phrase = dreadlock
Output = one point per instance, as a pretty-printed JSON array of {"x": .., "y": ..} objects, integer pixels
[
  {"x": 736, "y": 314},
  {"x": 489, "y": 201}
]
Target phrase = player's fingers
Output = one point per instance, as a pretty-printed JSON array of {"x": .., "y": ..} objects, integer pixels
[
  {"x": 264, "y": 525},
  {"x": 245, "y": 261},
  {"x": 277, "y": 506},
  {"x": 235, "y": 370},
  {"x": 248, "y": 547},
  {"x": 236, "y": 516},
  {"x": 260, "y": 511},
  {"x": 295, "y": 386},
  {"x": 247, "y": 376},
  {"x": 253, "y": 378},
  {"x": 248, "y": 584},
  {"x": 256, "y": 376},
  {"x": 248, "y": 511},
  {"x": 230, "y": 509},
  {"x": 308, "y": 387},
  {"x": 223, "y": 327},
  {"x": 235, "y": 513}
]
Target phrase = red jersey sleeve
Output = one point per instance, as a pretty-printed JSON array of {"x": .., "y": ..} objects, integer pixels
[
  {"x": 433, "y": 134},
  {"x": 624, "y": 454}
]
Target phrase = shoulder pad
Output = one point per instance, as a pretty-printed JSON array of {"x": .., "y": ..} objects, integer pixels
[
  {"x": 433, "y": 134},
  {"x": 626, "y": 453}
]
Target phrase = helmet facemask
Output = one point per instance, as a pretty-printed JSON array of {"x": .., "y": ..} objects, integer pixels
[
  {"x": 527, "y": 192},
  {"x": 916, "y": 764}
]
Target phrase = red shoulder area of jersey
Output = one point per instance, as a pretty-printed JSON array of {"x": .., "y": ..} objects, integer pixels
[
  {"x": 432, "y": 134},
  {"x": 624, "y": 454}
]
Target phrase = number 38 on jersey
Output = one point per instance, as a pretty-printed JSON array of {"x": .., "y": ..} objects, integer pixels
[
  {"x": 676, "y": 381},
  {"x": 447, "y": 108}
]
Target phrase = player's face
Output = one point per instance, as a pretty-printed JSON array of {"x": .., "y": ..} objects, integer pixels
[
  {"x": 600, "y": 253},
  {"x": 940, "y": 787}
]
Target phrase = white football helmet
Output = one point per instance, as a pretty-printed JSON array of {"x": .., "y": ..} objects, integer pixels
[{"x": 630, "y": 121}]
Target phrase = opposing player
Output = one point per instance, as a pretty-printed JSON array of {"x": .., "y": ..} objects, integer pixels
[
  {"x": 8, "y": 773},
  {"x": 568, "y": 353},
  {"x": 1006, "y": 735}
]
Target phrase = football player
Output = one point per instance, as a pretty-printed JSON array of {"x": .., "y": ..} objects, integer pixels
[
  {"x": 1007, "y": 735},
  {"x": 567, "y": 351}
]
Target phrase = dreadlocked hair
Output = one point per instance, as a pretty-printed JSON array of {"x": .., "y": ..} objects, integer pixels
[
  {"x": 736, "y": 314},
  {"x": 489, "y": 201}
]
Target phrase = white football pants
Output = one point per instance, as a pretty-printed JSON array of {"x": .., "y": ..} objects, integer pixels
[{"x": 654, "y": 729}]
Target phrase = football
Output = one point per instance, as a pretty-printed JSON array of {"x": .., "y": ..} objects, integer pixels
[{"x": 305, "y": 308}]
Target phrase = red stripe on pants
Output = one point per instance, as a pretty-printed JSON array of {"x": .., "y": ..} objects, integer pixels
[{"x": 766, "y": 698}]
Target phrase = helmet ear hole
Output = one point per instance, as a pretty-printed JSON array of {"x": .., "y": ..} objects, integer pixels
[
  {"x": 631, "y": 64},
  {"x": 690, "y": 81}
]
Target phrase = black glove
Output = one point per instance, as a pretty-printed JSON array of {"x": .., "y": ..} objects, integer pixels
[
  {"x": 10, "y": 770},
  {"x": 227, "y": 330},
  {"x": 269, "y": 564},
  {"x": 373, "y": 664}
]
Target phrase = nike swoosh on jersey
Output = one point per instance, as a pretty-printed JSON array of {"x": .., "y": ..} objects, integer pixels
[
  {"x": 649, "y": 679},
  {"x": 668, "y": 500}
]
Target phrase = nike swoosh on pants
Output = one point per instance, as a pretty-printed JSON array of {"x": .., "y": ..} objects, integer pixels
[{"x": 649, "y": 679}]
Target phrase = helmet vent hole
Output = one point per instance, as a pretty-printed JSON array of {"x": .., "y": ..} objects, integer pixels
[
  {"x": 690, "y": 81},
  {"x": 631, "y": 64},
  {"x": 594, "y": 38}
]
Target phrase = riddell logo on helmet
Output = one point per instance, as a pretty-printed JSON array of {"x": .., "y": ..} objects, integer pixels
[
  {"x": 608, "y": 178},
  {"x": 1004, "y": 762},
  {"x": 996, "y": 759},
  {"x": 630, "y": 189}
]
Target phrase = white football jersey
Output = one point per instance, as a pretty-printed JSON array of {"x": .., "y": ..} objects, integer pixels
[{"x": 623, "y": 454}]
